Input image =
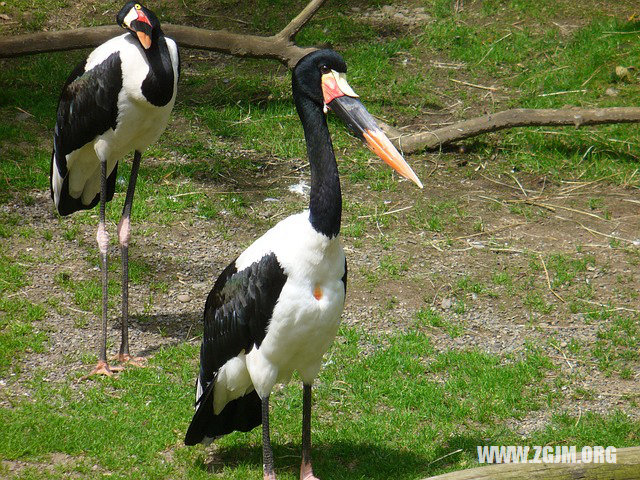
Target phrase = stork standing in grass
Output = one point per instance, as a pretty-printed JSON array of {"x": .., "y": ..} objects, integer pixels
[
  {"x": 276, "y": 308},
  {"x": 117, "y": 100}
]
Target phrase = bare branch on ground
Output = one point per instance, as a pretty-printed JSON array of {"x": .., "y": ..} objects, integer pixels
[
  {"x": 626, "y": 467},
  {"x": 518, "y": 117},
  {"x": 279, "y": 47}
]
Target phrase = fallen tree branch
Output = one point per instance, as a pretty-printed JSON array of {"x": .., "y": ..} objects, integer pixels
[
  {"x": 282, "y": 47},
  {"x": 626, "y": 467},
  {"x": 279, "y": 47},
  {"x": 518, "y": 117}
]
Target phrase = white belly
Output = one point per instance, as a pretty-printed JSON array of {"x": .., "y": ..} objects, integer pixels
[
  {"x": 300, "y": 333},
  {"x": 138, "y": 125},
  {"x": 305, "y": 320}
]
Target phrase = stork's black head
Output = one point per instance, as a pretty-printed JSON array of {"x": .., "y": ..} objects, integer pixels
[
  {"x": 312, "y": 70},
  {"x": 321, "y": 78},
  {"x": 141, "y": 21}
]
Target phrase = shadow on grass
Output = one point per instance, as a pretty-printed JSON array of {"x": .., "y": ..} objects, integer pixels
[
  {"x": 340, "y": 459},
  {"x": 178, "y": 327}
]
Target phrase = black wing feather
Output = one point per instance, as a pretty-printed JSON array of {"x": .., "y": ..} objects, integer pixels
[
  {"x": 344, "y": 278},
  {"x": 236, "y": 317},
  {"x": 88, "y": 107},
  {"x": 238, "y": 311}
]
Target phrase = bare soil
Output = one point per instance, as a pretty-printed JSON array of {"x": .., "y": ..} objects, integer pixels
[
  {"x": 507, "y": 226},
  {"x": 189, "y": 253}
]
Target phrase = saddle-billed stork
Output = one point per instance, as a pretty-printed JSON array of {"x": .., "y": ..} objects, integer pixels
[
  {"x": 117, "y": 100},
  {"x": 276, "y": 308}
]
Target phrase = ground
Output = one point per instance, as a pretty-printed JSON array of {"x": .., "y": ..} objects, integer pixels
[{"x": 498, "y": 305}]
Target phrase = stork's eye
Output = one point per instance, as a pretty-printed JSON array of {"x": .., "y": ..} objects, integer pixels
[
  {"x": 137, "y": 6},
  {"x": 324, "y": 69}
]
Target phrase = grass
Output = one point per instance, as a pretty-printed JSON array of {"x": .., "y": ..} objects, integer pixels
[
  {"x": 393, "y": 397},
  {"x": 429, "y": 318},
  {"x": 618, "y": 344},
  {"x": 18, "y": 317},
  {"x": 107, "y": 430},
  {"x": 403, "y": 386}
]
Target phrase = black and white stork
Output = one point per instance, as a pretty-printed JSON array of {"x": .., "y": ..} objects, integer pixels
[
  {"x": 118, "y": 100},
  {"x": 276, "y": 308}
]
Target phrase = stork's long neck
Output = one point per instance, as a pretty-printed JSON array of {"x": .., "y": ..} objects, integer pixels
[
  {"x": 325, "y": 204},
  {"x": 158, "y": 86}
]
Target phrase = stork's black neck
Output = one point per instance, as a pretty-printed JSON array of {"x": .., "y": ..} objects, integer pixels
[
  {"x": 325, "y": 204},
  {"x": 157, "y": 87}
]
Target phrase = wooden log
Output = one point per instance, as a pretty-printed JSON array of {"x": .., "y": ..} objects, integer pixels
[
  {"x": 627, "y": 467},
  {"x": 279, "y": 47},
  {"x": 517, "y": 117},
  {"x": 282, "y": 47}
]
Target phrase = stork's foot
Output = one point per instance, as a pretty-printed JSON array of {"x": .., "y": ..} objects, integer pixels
[
  {"x": 102, "y": 368},
  {"x": 306, "y": 472},
  {"x": 127, "y": 359},
  {"x": 269, "y": 476}
]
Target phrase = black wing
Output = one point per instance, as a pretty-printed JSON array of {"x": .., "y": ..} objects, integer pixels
[
  {"x": 88, "y": 107},
  {"x": 238, "y": 311},
  {"x": 344, "y": 278},
  {"x": 236, "y": 317}
]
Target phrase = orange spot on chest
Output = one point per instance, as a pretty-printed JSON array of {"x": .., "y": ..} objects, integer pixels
[{"x": 317, "y": 293}]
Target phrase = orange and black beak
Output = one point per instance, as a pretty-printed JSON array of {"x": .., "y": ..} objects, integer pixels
[
  {"x": 339, "y": 97},
  {"x": 137, "y": 22}
]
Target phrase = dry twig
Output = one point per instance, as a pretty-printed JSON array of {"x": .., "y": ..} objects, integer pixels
[
  {"x": 546, "y": 272},
  {"x": 474, "y": 85},
  {"x": 632, "y": 242}
]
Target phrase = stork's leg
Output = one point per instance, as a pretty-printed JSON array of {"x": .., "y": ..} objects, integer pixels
[
  {"x": 102, "y": 237},
  {"x": 306, "y": 472},
  {"x": 267, "y": 451},
  {"x": 124, "y": 235}
]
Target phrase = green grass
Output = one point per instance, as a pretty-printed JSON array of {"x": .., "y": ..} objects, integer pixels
[
  {"x": 584, "y": 62},
  {"x": 428, "y": 317},
  {"x": 396, "y": 404},
  {"x": 390, "y": 402},
  {"x": 565, "y": 269},
  {"x": 18, "y": 317},
  {"x": 618, "y": 343}
]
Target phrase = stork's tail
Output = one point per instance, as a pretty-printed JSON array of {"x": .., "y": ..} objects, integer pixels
[{"x": 242, "y": 414}]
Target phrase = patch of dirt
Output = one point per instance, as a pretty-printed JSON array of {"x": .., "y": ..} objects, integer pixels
[
  {"x": 55, "y": 463},
  {"x": 188, "y": 254},
  {"x": 497, "y": 225},
  {"x": 399, "y": 14},
  {"x": 500, "y": 321}
]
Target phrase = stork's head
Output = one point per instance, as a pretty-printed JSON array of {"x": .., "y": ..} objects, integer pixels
[
  {"x": 321, "y": 77},
  {"x": 140, "y": 21}
]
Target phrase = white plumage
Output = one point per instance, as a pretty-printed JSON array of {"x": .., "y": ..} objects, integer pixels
[
  {"x": 139, "y": 123},
  {"x": 117, "y": 101},
  {"x": 302, "y": 327}
]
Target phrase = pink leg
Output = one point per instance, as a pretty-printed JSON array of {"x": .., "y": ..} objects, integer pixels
[{"x": 306, "y": 472}]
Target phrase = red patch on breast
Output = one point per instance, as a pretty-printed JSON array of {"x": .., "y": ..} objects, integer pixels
[{"x": 317, "y": 293}]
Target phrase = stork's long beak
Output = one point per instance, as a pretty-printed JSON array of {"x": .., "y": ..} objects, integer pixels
[
  {"x": 340, "y": 98},
  {"x": 144, "y": 38},
  {"x": 139, "y": 23}
]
